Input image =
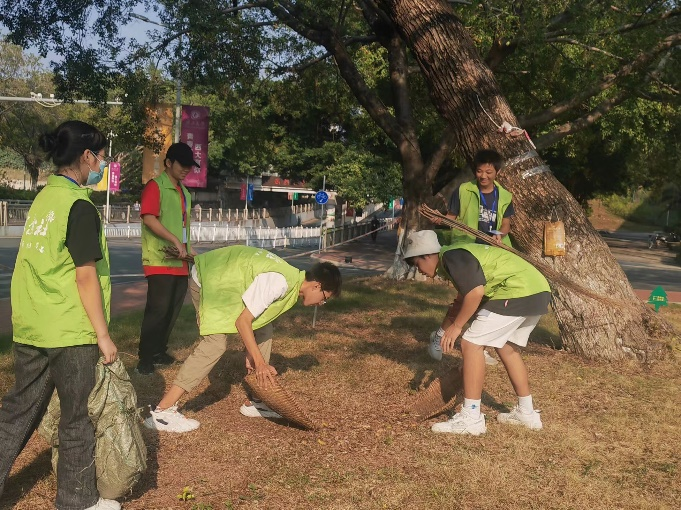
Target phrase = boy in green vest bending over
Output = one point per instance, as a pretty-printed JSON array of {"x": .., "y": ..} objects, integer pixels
[
  {"x": 483, "y": 204},
  {"x": 239, "y": 289},
  {"x": 507, "y": 296}
]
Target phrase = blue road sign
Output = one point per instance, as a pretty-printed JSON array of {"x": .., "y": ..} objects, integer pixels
[{"x": 321, "y": 197}]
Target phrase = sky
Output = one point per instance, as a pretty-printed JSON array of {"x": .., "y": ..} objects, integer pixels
[{"x": 136, "y": 28}]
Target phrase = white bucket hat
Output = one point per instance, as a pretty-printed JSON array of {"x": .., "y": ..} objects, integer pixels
[{"x": 423, "y": 242}]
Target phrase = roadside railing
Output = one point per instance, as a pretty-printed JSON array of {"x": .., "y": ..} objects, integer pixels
[
  {"x": 15, "y": 214},
  {"x": 214, "y": 227}
]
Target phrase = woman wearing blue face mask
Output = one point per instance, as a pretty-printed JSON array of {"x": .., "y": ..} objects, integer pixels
[{"x": 60, "y": 313}]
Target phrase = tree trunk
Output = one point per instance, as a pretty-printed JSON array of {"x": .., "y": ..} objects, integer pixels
[{"x": 460, "y": 86}]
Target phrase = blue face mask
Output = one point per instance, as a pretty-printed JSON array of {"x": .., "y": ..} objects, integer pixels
[{"x": 94, "y": 177}]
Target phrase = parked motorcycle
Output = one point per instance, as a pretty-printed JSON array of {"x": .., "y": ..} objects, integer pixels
[{"x": 662, "y": 239}]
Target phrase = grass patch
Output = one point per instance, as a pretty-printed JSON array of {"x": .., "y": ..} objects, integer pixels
[{"x": 610, "y": 438}]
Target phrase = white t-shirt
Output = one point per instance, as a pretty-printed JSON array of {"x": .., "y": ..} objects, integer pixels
[{"x": 265, "y": 290}]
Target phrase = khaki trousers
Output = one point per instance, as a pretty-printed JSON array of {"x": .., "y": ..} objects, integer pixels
[{"x": 211, "y": 348}]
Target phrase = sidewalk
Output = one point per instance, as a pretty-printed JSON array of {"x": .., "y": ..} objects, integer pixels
[{"x": 363, "y": 253}]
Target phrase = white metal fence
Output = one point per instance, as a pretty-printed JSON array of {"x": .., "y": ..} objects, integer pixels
[
  {"x": 262, "y": 237},
  {"x": 226, "y": 234},
  {"x": 13, "y": 217},
  {"x": 13, "y": 212}
]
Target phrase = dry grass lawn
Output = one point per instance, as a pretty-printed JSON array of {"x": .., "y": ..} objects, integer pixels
[{"x": 611, "y": 435}]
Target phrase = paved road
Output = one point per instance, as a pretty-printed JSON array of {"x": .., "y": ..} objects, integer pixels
[{"x": 126, "y": 261}]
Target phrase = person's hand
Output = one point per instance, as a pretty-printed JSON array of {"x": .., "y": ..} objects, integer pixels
[
  {"x": 181, "y": 248},
  {"x": 250, "y": 364},
  {"x": 436, "y": 221},
  {"x": 448, "y": 339},
  {"x": 108, "y": 348},
  {"x": 265, "y": 374},
  {"x": 497, "y": 238}
]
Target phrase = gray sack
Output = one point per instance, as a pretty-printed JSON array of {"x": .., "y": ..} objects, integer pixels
[{"x": 120, "y": 453}]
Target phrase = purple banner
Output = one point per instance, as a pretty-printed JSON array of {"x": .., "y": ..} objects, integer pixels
[
  {"x": 195, "y": 134},
  {"x": 114, "y": 176}
]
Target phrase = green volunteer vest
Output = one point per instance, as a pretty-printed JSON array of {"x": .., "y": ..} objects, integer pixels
[
  {"x": 226, "y": 273},
  {"x": 507, "y": 275},
  {"x": 171, "y": 218},
  {"x": 46, "y": 306},
  {"x": 469, "y": 211}
]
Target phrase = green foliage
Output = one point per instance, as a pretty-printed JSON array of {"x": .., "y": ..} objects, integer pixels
[
  {"x": 268, "y": 114},
  {"x": 647, "y": 208},
  {"x": 360, "y": 176}
]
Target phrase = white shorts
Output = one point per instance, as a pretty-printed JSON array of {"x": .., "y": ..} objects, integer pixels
[{"x": 493, "y": 330}]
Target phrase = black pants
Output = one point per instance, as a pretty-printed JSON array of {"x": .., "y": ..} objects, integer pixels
[
  {"x": 165, "y": 295},
  {"x": 38, "y": 371}
]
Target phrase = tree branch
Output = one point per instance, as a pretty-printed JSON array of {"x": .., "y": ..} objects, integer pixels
[
  {"x": 569, "y": 128},
  {"x": 623, "y": 29},
  {"x": 564, "y": 40},
  {"x": 444, "y": 149},
  {"x": 327, "y": 38},
  {"x": 549, "y": 114}
]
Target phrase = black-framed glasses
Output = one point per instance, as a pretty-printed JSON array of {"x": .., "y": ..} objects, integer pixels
[{"x": 323, "y": 301}]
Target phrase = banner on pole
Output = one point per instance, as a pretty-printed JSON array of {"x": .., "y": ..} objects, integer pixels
[
  {"x": 101, "y": 185},
  {"x": 195, "y": 134},
  {"x": 160, "y": 128},
  {"x": 115, "y": 176},
  {"x": 250, "y": 193},
  {"x": 242, "y": 196}
]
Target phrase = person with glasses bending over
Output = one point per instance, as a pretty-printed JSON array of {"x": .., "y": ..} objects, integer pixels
[
  {"x": 239, "y": 289},
  {"x": 61, "y": 291}
]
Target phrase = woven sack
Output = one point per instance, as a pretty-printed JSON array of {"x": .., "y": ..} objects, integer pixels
[
  {"x": 280, "y": 400},
  {"x": 120, "y": 453},
  {"x": 440, "y": 396}
]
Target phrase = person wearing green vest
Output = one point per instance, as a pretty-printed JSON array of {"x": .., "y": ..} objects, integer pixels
[
  {"x": 239, "y": 289},
  {"x": 60, "y": 313},
  {"x": 506, "y": 296},
  {"x": 483, "y": 204},
  {"x": 165, "y": 209}
]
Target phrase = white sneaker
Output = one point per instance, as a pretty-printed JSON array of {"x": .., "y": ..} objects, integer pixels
[
  {"x": 518, "y": 417},
  {"x": 258, "y": 409},
  {"x": 462, "y": 423},
  {"x": 434, "y": 348},
  {"x": 489, "y": 360},
  {"x": 169, "y": 420},
  {"x": 105, "y": 504}
]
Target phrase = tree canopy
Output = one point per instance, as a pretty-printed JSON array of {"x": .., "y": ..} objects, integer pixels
[{"x": 596, "y": 83}]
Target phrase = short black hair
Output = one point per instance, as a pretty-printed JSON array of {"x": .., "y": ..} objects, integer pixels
[
  {"x": 327, "y": 275},
  {"x": 488, "y": 156}
]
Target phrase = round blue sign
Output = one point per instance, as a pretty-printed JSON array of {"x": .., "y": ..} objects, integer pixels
[{"x": 321, "y": 197}]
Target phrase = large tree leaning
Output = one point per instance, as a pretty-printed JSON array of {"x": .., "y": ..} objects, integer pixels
[{"x": 460, "y": 86}]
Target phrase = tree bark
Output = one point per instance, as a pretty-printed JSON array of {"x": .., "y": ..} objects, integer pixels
[{"x": 461, "y": 85}]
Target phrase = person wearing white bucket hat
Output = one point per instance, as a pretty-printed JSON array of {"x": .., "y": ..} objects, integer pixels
[
  {"x": 505, "y": 296},
  {"x": 425, "y": 242}
]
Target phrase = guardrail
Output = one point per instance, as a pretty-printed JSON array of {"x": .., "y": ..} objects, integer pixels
[
  {"x": 15, "y": 214},
  {"x": 251, "y": 236}
]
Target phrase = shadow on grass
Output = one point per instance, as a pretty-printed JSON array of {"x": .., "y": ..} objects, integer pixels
[
  {"x": 5, "y": 344},
  {"x": 21, "y": 482}
]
